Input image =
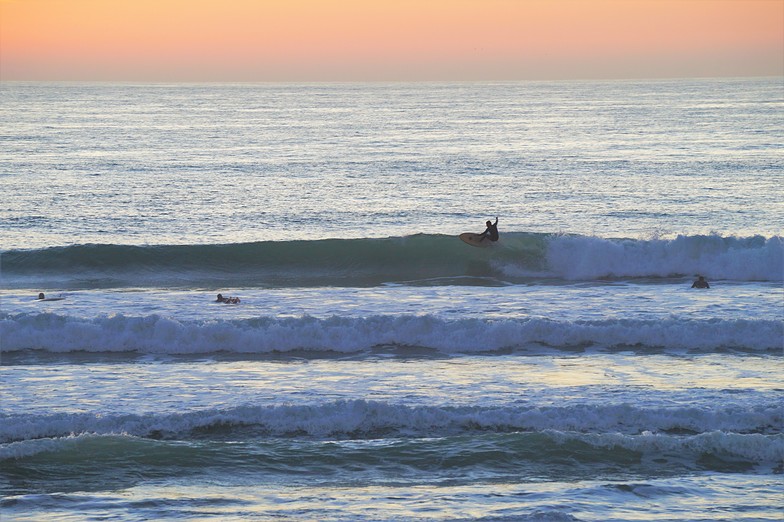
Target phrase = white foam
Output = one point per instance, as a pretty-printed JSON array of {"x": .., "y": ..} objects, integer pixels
[
  {"x": 158, "y": 334},
  {"x": 716, "y": 257},
  {"x": 754, "y": 447}
]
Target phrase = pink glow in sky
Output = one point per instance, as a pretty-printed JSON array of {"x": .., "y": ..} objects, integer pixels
[{"x": 388, "y": 40}]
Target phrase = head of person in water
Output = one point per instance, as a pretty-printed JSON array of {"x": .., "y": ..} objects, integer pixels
[
  {"x": 220, "y": 298},
  {"x": 41, "y": 296}
]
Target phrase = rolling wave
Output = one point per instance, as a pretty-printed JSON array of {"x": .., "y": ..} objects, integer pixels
[
  {"x": 249, "y": 445},
  {"x": 361, "y": 419},
  {"x": 154, "y": 334},
  {"x": 419, "y": 259},
  {"x": 124, "y": 457}
]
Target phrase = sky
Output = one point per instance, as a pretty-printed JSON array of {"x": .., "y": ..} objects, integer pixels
[{"x": 388, "y": 40}]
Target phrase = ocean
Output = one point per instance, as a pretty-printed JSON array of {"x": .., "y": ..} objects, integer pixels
[{"x": 376, "y": 367}]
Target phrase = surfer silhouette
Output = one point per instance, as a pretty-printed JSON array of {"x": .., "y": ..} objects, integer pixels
[
  {"x": 700, "y": 283},
  {"x": 492, "y": 231}
]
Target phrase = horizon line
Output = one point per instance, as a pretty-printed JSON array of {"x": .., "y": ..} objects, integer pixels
[{"x": 397, "y": 81}]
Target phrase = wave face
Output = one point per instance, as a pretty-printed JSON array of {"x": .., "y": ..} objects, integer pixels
[
  {"x": 549, "y": 454},
  {"x": 418, "y": 259},
  {"x": 156, "y": 334}
]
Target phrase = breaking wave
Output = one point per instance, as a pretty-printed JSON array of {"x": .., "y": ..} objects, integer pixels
[
  {"x": 362, "y": 419},
  {"x": 518, "y": 257},
  {"x": 288, "y": 436},
  {"x": 156, "y": 334}
]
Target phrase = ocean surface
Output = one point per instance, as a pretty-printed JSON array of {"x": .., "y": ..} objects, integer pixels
[{"x": 377, "y": 368}]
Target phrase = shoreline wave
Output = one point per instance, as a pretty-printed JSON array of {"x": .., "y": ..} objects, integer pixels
[{"x": 715, "y": 450}]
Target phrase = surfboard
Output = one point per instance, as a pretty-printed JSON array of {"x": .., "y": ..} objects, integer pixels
[{"x": 473, "y": 240}]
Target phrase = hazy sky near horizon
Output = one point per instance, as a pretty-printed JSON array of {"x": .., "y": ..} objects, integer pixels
[{"x": 388, "y": 40}]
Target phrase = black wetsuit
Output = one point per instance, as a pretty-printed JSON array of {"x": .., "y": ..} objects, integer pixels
[{"x": 491, "y": 233}]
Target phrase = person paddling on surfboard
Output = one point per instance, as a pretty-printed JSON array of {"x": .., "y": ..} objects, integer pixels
[
  {"x": 492, "y": 231},
  {"x": 700, "y": 283},
  {"x": 228, "y": 300},
  {"x": 42, "y": 297}
]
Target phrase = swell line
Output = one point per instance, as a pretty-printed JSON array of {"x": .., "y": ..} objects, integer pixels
[{"x": 519, "y": 257}]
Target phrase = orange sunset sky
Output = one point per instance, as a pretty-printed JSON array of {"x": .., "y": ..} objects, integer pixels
[{"x": 388, "y": 40}]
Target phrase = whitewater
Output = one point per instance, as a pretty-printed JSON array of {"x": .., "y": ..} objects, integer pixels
[{"x": 376, "y": 367}]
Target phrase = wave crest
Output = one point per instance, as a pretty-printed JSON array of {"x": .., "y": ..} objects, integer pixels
[{"x": 369, "y": 419}]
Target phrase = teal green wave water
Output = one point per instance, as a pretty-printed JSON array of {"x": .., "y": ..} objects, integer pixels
[{"x": 417, "y": 259}]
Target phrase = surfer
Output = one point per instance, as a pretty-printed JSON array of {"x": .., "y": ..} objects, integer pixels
[
  {"x": 700, "y": 283},
  {"x": 492, "y": 231},
  {"x": 227, "y": 300},
  {"x": 42, "y": 297}
]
